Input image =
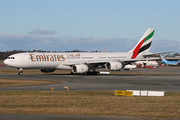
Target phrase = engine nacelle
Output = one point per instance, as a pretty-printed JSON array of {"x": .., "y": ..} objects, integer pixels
[
  {"x": 114, "y": 66},
  {"x": 80, "y": 69},
  {"x": 47, "y": 70}
]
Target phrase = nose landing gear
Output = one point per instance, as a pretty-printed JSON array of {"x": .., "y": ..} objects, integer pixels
[{"x": 20, "y": 71}]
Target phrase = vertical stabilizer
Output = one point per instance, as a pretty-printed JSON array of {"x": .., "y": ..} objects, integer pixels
[
  {"x": 143, "y": 46},
  {"x": 164, "y": 61}
]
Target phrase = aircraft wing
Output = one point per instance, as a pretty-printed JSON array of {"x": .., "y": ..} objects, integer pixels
[
  {"x": 98, "y": 62},
  {"x": 151, "y": 54},
  {"x": 101, "y": 62},
  {"x": 125, "y": 61}
]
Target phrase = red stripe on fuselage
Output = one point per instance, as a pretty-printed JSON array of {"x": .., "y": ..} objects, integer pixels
[{"x": 136, "y": 50}]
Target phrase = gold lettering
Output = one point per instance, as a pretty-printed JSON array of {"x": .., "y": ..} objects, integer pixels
[
  {"x": 52, "y": 58},
  {"x": 58, "y": 57},
  {"x": 63, "y": 58},
  {"x": 44, "y": 57},
  {"x": 55, "y": 58},
  {"x": 47, "y": 57},
  {"x": 78, "y": 55},
  {"x": 31, "y": 55},
  {"x": 39, "y": 57}
]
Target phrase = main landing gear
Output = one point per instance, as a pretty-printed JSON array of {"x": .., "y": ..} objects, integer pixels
[
  {"x": 20, "y": 71},
  {"x": 93, "y": 73},
  {"x": 88, "y": 73}
]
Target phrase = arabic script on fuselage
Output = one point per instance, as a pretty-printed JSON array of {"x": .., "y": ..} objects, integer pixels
[{"x": 73, "y": 55}]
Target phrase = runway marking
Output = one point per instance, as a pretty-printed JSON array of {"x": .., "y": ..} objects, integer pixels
[
  {"x": 152, "y": 82},
  {"x": 164, "y": 83},
  {"x": 122, "y": 83}
]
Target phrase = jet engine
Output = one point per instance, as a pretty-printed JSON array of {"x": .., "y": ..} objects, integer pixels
[
  {"x": 80, "y": 69},
  {"x": 46, "y": 70},
  {"x": 114, "y": 66}
]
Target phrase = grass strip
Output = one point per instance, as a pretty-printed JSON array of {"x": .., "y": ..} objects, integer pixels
[
  {"x": 89, "y": 103},
  {"x": 15, "y": 83}
]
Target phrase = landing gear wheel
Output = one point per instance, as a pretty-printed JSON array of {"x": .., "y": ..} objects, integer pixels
[
  {"x": 72, "y": 73},
  {"x": 98, "y": 73},
  {"x": 93, "y": 73},
  {"x": 20, "y": 73}
]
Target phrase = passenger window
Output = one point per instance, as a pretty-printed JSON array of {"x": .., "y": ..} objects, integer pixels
[{"x": 11, "y": 58}]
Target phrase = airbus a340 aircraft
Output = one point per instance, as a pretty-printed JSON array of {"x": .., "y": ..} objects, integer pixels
[{"x": 79, "y": 62}]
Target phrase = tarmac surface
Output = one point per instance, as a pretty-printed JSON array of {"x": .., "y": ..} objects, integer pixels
[
  {"x": 161, "y": 79},
  {"x": 101, "y": 82},
  {"x": 63, "y": 117}
]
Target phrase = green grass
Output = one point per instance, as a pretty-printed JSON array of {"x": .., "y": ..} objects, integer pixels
[{"x": 89, "y": 103}]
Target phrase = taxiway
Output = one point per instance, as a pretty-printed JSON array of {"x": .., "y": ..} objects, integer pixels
[{"x": 160, "y": 82}]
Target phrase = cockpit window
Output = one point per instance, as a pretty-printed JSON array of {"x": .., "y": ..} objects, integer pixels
[{"x": 11, "y": 58}]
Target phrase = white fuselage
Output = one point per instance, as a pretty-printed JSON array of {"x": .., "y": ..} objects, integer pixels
[{"x": 60, "y": 60}]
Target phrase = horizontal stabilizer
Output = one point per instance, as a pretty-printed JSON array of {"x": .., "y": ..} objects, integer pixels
[{"x": 152, "y": 54}]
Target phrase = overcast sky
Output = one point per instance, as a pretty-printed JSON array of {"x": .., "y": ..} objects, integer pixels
[{"x": 88, "y": 25}]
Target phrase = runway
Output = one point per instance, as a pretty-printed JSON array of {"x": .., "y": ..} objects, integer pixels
[
  {"x": 162, "y": 79},
  {"x": 170, "y": 83}
]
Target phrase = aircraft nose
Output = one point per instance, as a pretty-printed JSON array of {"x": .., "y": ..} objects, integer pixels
[{"x": 6, "y": 62}]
